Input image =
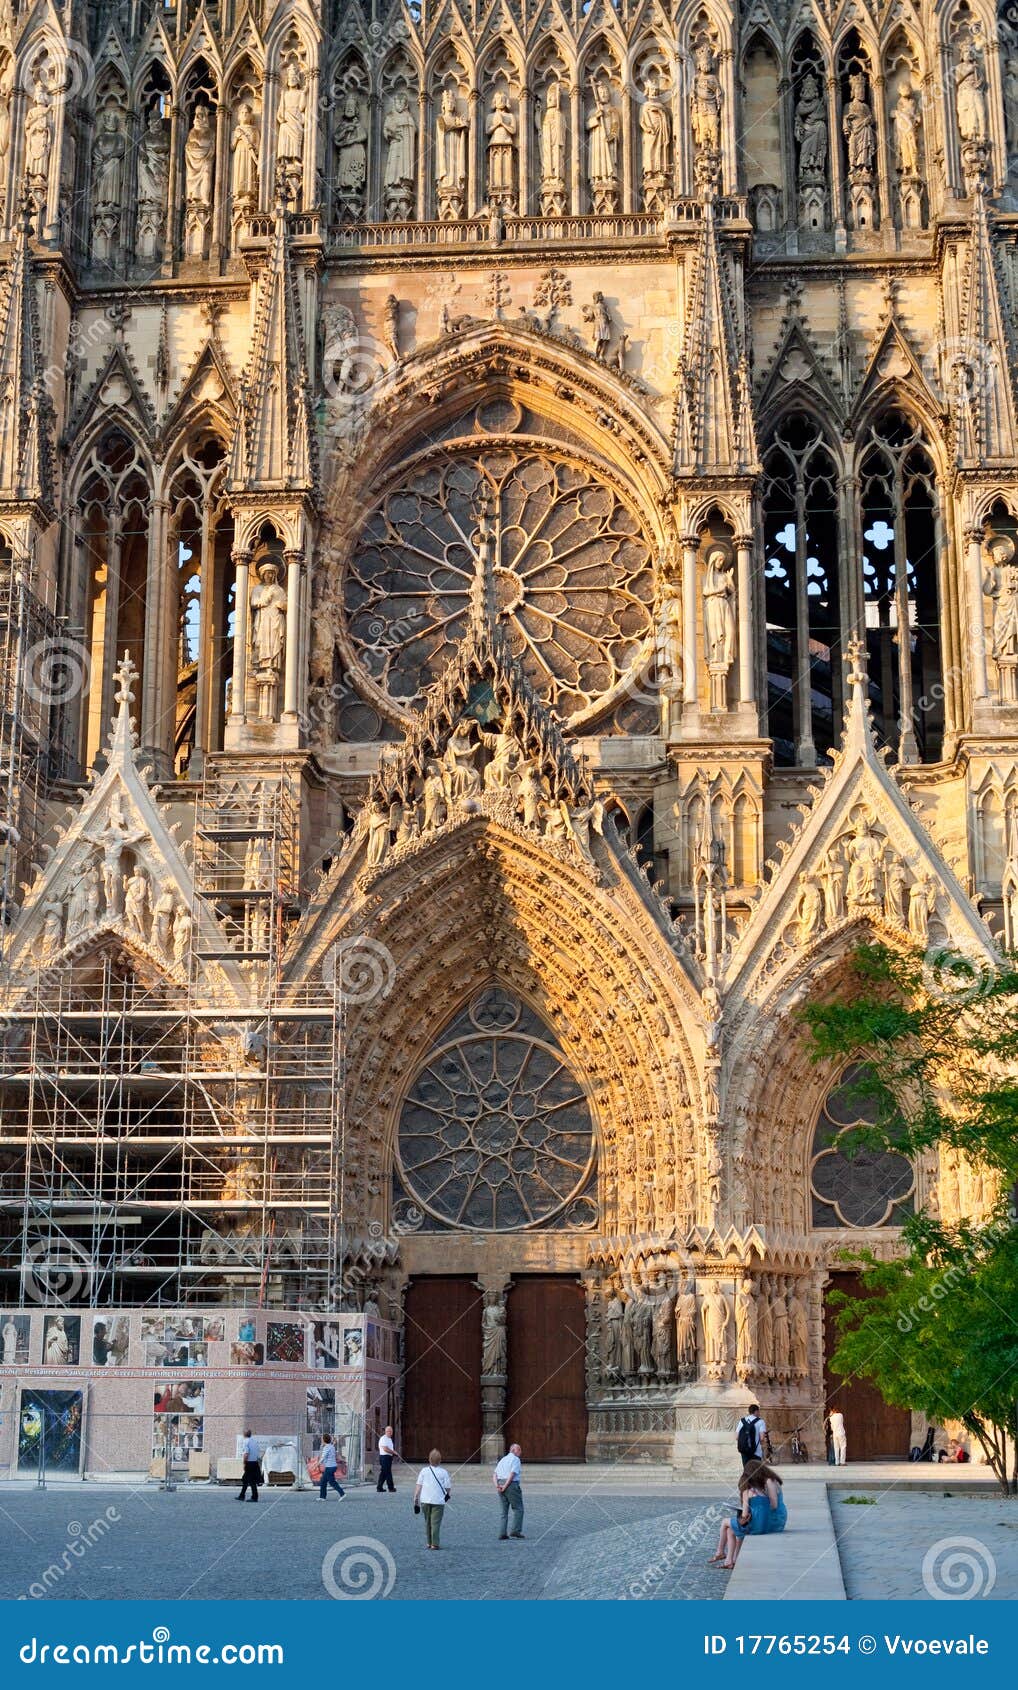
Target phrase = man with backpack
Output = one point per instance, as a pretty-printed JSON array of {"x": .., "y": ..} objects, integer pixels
[{"x": 751, "y": 1438}]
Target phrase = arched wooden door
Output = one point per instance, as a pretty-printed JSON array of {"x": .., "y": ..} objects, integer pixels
[{"x": 442, "y": 1378}]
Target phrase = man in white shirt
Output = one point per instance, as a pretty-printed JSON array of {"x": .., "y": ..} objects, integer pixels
[
  {"x": 508, "y": 1476},
  {"x": 252, "y": 1467},
  {"x": 431, "y": 1493},
  {"x": 752, "y": 1425},
  {"x": 839, "y": 1437},
  {"x": 386, "y": 1457}
]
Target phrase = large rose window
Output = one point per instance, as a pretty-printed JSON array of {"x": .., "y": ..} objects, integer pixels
[
  {"x": 495, "y": 1133},
  {"x": 564, "y": 565},
  {"x": 853, "y": 1184}
]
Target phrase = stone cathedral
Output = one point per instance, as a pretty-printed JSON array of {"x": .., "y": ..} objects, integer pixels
[{"x": 508, "y": 521}]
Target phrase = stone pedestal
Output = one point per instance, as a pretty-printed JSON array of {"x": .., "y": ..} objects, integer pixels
[{"x": 493, "y": 1387}]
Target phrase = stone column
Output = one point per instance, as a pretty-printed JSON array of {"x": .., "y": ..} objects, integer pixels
[
  {"x": 977, "y": 626},
  {"x": 172, "y": 208},
  {"x": 690, "y": 693},
  {"x": 242, "y": 604},
  {"x": 744, "y": 568},
  {"x": 291, "y": 681},
  {"x": 159, "y": 680}
]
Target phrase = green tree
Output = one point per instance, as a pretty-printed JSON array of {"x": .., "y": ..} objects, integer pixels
[{"x": 938, "y": 1330}]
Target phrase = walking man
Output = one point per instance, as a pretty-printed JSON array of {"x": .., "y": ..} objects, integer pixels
[
  {"x": 252, "y": 1467},
  {"x": 330, "y": 1461},
  {"x": 751, "y": 1437},
  {"x": 508, "y": 1475},
  {"x": 839, "y": 1438},
  {"x": 386, "y": 1457}
]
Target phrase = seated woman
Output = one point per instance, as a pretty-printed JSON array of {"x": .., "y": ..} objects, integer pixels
[{"x": 763, "y": 1511}]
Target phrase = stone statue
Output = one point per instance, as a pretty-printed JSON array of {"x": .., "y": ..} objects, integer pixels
[
  {"x": 859, "y": 127},
  {"x": 664, "y": 1329},
  {"x": 399, "y": 132},
  {"x": 718, "y": 610},
  {"x": 501, "y": 129},
  {"x": 434, "y": 798},
  {"x": 78, "y": 903},
  {"x": 922, "y": 902},
  {"x": 154, "y": 160},
  {"x": 553, "y": 151},
  {"x": 136, "y": 903},
  {"x": 108, "y": 161},
  {"x": 244, "y": 145},
  {"x": 811, "y": 129},
  {"x": 494, "y": 1336},
  {"x": 531, "y": 796},
  {"x": 798, "y": 1334},
  {"x": 604, "y": 130},
  {"x": 163, "y": 912},
  {"x": 451, "y": 155},
  {"x": 705, "y": 112},
  {"x": 655, "y": 127},
  {"x": 715, "y": 1317},
  {"x": 832, "y": 873},
  {"x": 614, "y": 1316},
  {"x": 181, "y": 935},
  {"x": 745, "y": 1329},
  {"x": 113, "y": 839},
  {"x": 378, "y": 832},
  {"x": 863, "y": 852},
  {"x": 1010, "y": 96},
  {"x": 906, "y": 120},
  {"x": 894, "y": 889},
  {"x": 628, "y": 1335},
  {"x": 268, "y": 625},
  {"x": 643, "y": 1332},
  {"x": 970, "y": 96},
  {"x": 199, "y": 159},
  {"x": 502, "y": 770},
  {"x": 38, "y": 134},
  {"x": 459, "y": 760},
  {"x": 810, "y": 912},
  {"x": 290, "y": 115},
  {"x": 764, "y": 1335},
  {"x": 390, "y": 325},
  {"x": 685, "y": 1329},
  {"x": 779, "y": 1330},
  {"x": 351, "y": 143},
  {"x": 6, "y": 90},
  {"x": 52, "y": 934},
  {"x": 1001, "y": 585},
  {"x": 599, "y": 318}
]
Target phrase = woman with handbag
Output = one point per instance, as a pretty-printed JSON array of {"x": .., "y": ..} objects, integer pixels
[{"x": 431, "y": 1493}]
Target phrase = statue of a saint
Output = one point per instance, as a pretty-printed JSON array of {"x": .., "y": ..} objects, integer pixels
[
  {"x": 351, "y": 141},
  {"x": 399, "y": 131},
  {"x": 655, "y": 130},
  {"x": 664, "y": 1329},
  {"x": 153, "y": 161},
  {"x": 715, "y": 1316},
  {"x": 685, "y": 1328},
  {"x": 1001, "y": 585},
  {"x": 894, "y": 889},
  {"x": 245, "y": 145},
  {"x": 451, "y": 162},
  {"x": 705, "y": 105},
  {"x": 108, "y": 161},
  {"x": 810, "y": 914},
  {"x": 493, "y": 1332},
  {"x": 604, "y": 127},
  {"x": 718, "y": 610},
  {"x": 38, "y": 133},
  {"x": 811, "y": 129},
  {"x": 859, "y": 127},
  {"x": 501, "y": 130},
  {"x": 614, "y": 1315},
  {"x": 459, "y": 761},
  {"x": 552, "y": 122},
  {"x": 199, "y": 158},
  {"x": 863, "y": 852},
  {"x": 268, "y": 626},
  {"x": 290, "y": 114},
  {"x": 922, "y": 902},
  {"x": 970, "y": 96},
  {"x": 906, "y": 119},
  {"x": 745, "y": 1328}
]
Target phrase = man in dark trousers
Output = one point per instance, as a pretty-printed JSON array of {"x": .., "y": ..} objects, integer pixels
[
  {"x": 252, "y": 1467},
  {"x": 386, "y": 1457}
]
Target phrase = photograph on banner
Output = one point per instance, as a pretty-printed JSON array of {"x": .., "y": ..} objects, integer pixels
[
  {"x": 327, "y": 1344},
  {"x": 61, "y": 1340},
  {"x": 183, "y": 1434},
  {"x": 284, "y": 1341},
  {"x": 15, "y": 1331},
  {"x": 353, "y": 1346},
  {"x": 321, "y": 1412},
  {"x": 50, "y": 1426},
  {"x": 247, "y": 1354},
  {"x": 111, "y": 1340}
]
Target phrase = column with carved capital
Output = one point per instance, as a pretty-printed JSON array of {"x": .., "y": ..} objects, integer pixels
[
  {"x": 238, "y": 686},
  {"x": 159, "y": 672},
  {"x": 291, "y": 681},
  {"x": 744, "y": 583},
  {"x": 690, "y": 692},
  {"x": 977, "y": 626}
]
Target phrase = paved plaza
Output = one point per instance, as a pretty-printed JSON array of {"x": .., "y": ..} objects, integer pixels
[
  {"x": 925, "y": 1545},
  {"x": 581, "y": 1542}
]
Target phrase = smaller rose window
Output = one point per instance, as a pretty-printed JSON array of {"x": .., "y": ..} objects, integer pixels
[
  {"x": 495, "y": 1133},
  {"x": 852, "y": 1184}
]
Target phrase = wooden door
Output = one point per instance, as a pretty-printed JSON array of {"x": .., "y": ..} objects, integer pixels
[
  {"x": 442, "y": 1377},
  {"x": 874, "y": 1430},
  {"x": 547, "y": 1400}
]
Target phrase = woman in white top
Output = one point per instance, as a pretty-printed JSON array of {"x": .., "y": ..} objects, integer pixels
[{"x": 431, "y": 1494}]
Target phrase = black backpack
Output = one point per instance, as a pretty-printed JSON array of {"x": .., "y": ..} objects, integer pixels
[{"x": 746, "y": 1440}]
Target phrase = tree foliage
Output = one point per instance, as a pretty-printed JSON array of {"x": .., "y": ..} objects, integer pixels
[{"x": 938, "y": 1330}]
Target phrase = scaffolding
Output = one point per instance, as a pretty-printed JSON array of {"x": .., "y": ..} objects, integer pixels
[{"x": 170, "y": 1147}]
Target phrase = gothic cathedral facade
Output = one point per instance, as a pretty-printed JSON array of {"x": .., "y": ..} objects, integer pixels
[{"x": 508, "y": 521}]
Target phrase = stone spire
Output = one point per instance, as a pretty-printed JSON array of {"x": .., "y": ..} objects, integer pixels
[
  {"x": 274, "y": 446},
  {"x": 25, "y": 468},
  {"x": 714, "y": 431},
  {"x": 978, "y": 376}
]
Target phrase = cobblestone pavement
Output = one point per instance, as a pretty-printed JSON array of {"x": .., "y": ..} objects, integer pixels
[
  {"x": 88, "y": 1542},
  {"x": 927, "y": 1546}
]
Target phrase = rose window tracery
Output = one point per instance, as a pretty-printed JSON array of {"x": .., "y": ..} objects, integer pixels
[
  {"x": 495, "y": 1133},
  {"x": 853, "y": 1184},
  {"x": 566, "y": 568}
]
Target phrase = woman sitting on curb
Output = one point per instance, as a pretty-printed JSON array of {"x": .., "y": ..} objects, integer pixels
[{"x": 763, "y": 1511}]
